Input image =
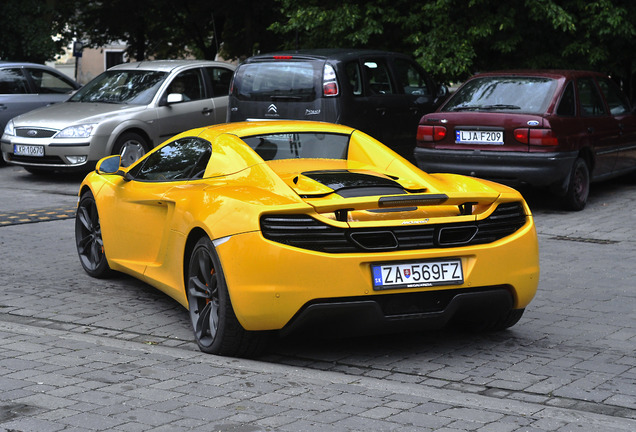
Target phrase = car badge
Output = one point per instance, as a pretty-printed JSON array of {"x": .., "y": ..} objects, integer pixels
[
  {"x": 272, "y": 109},
  {"x": 533, "y": 123},
  {"x": 32, "y": 133}
]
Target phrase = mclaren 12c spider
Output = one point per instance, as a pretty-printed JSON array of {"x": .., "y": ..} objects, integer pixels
[{"x": 262, "y": 228}]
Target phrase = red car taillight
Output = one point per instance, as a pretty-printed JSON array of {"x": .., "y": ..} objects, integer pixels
[
  {"x": 430, "y": 133},
  {"x": 538, "y": 137},
  {"x": 329, "y": 81}
]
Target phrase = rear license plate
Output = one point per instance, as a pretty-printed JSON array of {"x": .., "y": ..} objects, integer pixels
[
  {"x": 417, "y": 274},
  {"x": 479, "y": 137},
  {"x": 28, "y": 150}
]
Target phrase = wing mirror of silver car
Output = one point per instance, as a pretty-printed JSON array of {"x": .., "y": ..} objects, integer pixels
[{"x": 175, "y": 98}]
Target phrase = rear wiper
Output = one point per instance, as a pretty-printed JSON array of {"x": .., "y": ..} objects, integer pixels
[{"x": 282, "y": 97}]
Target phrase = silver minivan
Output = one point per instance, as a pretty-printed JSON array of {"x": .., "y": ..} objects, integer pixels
[{"x": 127, "y": 110}]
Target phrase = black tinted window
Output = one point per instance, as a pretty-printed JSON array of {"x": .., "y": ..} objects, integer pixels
[
  {"x": 567, "y": 105},
  {"x": 183, "y": 159},
  {"x": 299, "y": 145},
  {"x": 12, "y": 81},
  {"x": 46, "y": 82},
  {"x": 284, "y": 80},
  {"x": 615, "y": 98},
  {"x": 378, "y": 78},
  {"x": 354, "y": 77},
  {"x": 591, "y": 102},
  {"x": 220, "y": 79},
  {"x": 517, "y": 94},
  {"x": 410, "y": 78},
  {"x": 189, "y": 84}
]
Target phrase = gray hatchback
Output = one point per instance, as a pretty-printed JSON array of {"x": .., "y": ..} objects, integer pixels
[
  {"x": 127, "y": 110},
  {"x": 27, "y": 86}
]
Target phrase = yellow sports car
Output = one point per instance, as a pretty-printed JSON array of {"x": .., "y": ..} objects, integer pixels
[{"x": 270, "y": 226}]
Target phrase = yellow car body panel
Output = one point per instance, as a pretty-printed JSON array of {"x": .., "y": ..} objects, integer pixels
[
  {"x": 269, "y": 284},
  {"x": 146, "y": 226}
]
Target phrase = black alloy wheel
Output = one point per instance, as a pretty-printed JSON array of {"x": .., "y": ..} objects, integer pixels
[
  {"x": 216, "y": 328},
  {"x": 88, "y": 238}
]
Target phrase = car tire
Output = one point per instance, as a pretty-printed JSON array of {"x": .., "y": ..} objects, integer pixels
[
  {"x": 131, "y": 146},
  {"x": 495, "y": 322},
  {"x": 38, "y": 171},
  {"x": 507, "y": 320},
  {"x": 216, "y": 328},
  {"x": 88, "y": 238},
  {"x": 578, "y": 186}
]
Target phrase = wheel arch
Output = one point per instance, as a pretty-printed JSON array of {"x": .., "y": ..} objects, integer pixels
[
  {"x": 194, "y": 236},
  {"x": 134, "y": 129},
  {"x": 587, "y": 155}
]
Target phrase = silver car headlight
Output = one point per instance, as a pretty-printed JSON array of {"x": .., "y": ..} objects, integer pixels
[
  {"x": 79, "y": 131},
  {"x": 9, "y": 128}
]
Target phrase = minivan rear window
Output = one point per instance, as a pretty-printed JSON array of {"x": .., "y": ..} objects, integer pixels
[
  {"x": 299, "y": 145},
  {"x": 285, "y": 80},
  {"x": 520, "y": 94}
]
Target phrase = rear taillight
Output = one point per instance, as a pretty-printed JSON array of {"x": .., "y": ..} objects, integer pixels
[
  {"x": 538, "y": 137},
  {"x": 329, "y": 81},
  {"x": 430, "y": 133}
]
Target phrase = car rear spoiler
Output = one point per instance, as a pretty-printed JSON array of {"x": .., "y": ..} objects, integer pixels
[{"x": 341, "y": 208}]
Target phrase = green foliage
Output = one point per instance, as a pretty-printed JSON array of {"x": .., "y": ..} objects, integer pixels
[
  {"x": 27, "y": 27},
  {"x": 456, "y": 38},
  {"x": 452, "y": 39}
]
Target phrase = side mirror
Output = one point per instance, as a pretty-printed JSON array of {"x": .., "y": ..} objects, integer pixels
[
  {"x": 174, "y": 98},
  {"x": 442, "y": 91},
  {"x": 108, "y": 165}
]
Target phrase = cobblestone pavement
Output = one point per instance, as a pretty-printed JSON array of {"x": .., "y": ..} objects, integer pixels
[{"x": 79, "y": 354}]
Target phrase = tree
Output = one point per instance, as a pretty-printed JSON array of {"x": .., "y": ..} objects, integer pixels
[
  {"x": 27, "y": 28},
  {"x": 169, "y": 29},
  {"x": 456, "y": 38}
]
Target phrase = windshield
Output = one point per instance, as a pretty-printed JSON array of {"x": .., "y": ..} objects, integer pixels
[
  {"x": 284, "y": 80},
  {"x": 136, "y": 87},
  {"x": 299, "y": 145},
  {"x": 530, "y": 95}
]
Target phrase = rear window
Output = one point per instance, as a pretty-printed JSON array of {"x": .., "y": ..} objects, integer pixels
[
  {"x": 284, "y": 80},
  {"x": 513, "y": 94},
  {"x": 299, "y": 145}
]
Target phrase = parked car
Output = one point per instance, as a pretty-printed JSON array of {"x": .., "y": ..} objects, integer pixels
[
  {"x": 381, "y": 93},
  {"x": 26, "y": 86},
  {"x": 127, "y": 110},
  {"x": 560, "y": 129},
  {"x": 261, "y": 227}
]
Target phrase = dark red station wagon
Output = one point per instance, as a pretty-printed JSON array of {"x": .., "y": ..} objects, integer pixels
[{"x": 560, "y": 129}]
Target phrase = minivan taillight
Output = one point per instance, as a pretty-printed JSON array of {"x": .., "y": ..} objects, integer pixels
[
  {"x": 329, "y": 81},
  {"x": 430, "y": 133},
  {"x": 538, "y": 137}
]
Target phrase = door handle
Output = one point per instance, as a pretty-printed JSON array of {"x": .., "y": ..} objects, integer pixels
[
  {"x": 590, "y": 129},
  {"x": 3, "y": 107},
  {"x": 381, "y": 111},
  {"x": 207, "y": 111}
]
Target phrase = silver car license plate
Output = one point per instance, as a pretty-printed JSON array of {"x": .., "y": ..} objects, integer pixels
[{"x": 417, "y": 274}]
